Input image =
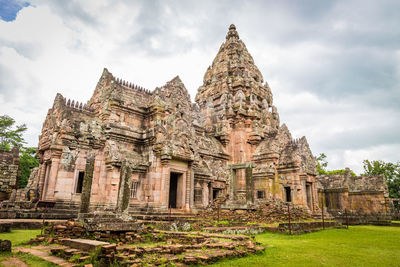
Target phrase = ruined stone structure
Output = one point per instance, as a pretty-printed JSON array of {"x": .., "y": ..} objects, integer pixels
[
  {"x": 356, "y": 195},
  {"x": 9, "y": 172},
  {"x": 129, "y": 147}
]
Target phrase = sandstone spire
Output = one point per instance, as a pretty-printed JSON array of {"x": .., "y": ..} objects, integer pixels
[
  {"x": 233, "y": 70},
  {"x": 233, "y": 91}
]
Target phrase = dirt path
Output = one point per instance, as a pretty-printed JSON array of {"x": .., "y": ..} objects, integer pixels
[
  {"x": 14, "y": 262},
  {"x": 43, "y": 252}
]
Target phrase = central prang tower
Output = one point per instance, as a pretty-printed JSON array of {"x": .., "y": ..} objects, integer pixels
[
  {"x": 238, "y": 110},
  {"x": 237, "y": 105}
]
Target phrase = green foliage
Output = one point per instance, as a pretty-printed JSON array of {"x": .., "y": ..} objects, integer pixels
[
  {"x": 322, "y": 164},
  {"x": 28, "y": 161},
  {"x": 391, "y": 171},
  {"x": 10, "y": 137},
  {"x": 75, "y": 258}
]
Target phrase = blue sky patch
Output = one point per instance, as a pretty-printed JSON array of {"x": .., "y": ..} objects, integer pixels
[{"x": 10, "y": 8}]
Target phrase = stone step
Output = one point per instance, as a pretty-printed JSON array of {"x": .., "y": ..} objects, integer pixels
[
  {"x": 172, "y": 217},
  {"x": 48, "y": 215},
  {"x": 83, "y": 244}
]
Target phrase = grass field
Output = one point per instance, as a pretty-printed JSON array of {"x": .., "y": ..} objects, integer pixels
[
  {"x": 358, "y": 246},
  {"x": 17, "y": 238}
]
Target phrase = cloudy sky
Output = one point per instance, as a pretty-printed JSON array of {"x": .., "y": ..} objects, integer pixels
[{"x": 333, "y": 66}]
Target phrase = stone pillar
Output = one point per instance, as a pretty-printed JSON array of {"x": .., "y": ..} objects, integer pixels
[
  {"x": 232, "y": 185},
  {"x": 188, "y": 186},
  {"x": 51, "y": 179},
  {"x": 125, "y": 180},
  {"x": 249, "y": 185},
  {"x": 43, "y": 170},
  {"x": 205, "y": 194},
  {"x": 192, "y": 187},
  {"x": 87, "y": 184}
]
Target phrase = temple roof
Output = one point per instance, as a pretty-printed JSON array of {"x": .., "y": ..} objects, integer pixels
[{"x": 232, "y": 69}]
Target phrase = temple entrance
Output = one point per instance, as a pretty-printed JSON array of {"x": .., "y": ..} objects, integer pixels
[
  {"x": 175, "y": 190},
  {"x": 288, "y": 194},
  {"x": 216, "y": 193}
]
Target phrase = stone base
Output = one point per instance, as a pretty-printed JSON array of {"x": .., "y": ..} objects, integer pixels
[{"x": 84, "y": 244}]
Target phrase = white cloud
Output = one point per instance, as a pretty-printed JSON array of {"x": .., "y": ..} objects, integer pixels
[{"x": 334, "y": 73}]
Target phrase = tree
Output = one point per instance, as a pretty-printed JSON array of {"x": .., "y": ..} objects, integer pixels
[
  {"x": 9, "y": 137},
  {"x": 322, "y": 164},
  {"x": 391, "y": 171},
  {"x": 28, "y": 161}
]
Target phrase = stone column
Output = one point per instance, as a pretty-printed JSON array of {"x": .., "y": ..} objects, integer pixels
[
  {"x": 51, "y": 179},
  {"x": 192, "y": 189},
  {"x": 125, "y": 180},
  {"x": 43, "y": 170},
  {"x": 232, "y": 185},
  {"x": 205, "y": 194},
  {"x": 249, "y": 185},
  {"x": 87, "y": 184},
  {"x": 188, "y": 186}
]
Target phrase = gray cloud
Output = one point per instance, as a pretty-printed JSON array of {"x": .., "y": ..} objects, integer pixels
[{"x": 334, "y": 66}]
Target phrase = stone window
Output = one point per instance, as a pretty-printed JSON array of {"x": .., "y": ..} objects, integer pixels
[
  {"x": 261, "y": 194},
  {"x": 79, "y": 183},
  {"x": 198, "y": 195},
  {"x": 134, "y": 189}
]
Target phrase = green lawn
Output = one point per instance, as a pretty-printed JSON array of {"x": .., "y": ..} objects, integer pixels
[
  {"x": 19, "y": 236},
  {"x": 358, "y": 246},
  {"x": 29, "y": 259}
]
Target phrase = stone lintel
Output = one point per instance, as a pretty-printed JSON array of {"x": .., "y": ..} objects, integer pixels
[
  {"x": 241, "y": 166},
  {"x": 339, "y": 190},
  {"x": 366, "y": 192}
]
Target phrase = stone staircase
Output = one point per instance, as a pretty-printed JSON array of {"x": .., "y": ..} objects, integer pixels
[
  {"x": 327, "y": 216},
  {"x": 161, "y": 215}
]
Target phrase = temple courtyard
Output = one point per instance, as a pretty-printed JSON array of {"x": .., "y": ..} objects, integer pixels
[{"x": 365, "y": 245}]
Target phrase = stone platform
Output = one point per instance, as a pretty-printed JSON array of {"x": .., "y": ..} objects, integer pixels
[{"x": 83, "y": 244}]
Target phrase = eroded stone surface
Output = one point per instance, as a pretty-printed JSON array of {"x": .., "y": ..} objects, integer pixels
[
  {"x": 9, "y": 173},
  {"x": 355, "y": 195},
  {"x": 158, "y": 149}
]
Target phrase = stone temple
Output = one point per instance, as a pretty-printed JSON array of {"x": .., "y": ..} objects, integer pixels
[{"x": 129, "y": 147}]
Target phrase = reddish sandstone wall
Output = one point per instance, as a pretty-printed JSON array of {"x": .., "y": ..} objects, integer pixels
[{"x": 9, "y": 172}]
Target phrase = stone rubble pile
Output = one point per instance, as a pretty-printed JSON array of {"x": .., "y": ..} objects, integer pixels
[
  {"x": 147, "y": 246},
  {"x": 211, "y": 249},
  {"x": 268, "y": 211}
]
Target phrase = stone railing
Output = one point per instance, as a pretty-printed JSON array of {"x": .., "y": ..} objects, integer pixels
[{"x": 133, "y": 86}]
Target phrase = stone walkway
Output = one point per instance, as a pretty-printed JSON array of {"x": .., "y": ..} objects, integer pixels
[
  {"x": 30, "y": 220},
  {"x": 13, "y": 262},
  {"x": 43, "y": 252}
]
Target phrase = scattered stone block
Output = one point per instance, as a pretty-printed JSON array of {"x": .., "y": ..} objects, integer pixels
[{"x": 5, "y": 245}]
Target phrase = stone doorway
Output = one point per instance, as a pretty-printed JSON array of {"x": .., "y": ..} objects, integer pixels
[
  {"x": 175, "y": 191},
  {"x": 216, "y": 193},
  {"x": 288, "y": 193}
]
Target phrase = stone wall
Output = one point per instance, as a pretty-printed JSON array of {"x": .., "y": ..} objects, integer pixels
[
  {"x": 357, "y": 195},
  {"x": 9, "y": 172}
]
